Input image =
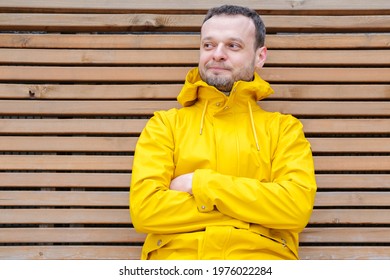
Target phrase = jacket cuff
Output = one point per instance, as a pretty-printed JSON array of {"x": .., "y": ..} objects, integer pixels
[{"x": 199, "y": 190}]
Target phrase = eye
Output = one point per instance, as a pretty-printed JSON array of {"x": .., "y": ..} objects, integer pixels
[
  {"x": 234, "y": 46},
  {"x": 207, "y": 45}
]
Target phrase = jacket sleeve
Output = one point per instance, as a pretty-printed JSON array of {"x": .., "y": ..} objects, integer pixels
[
  {"x": 285, "y": 202},
  {"x": 154, "y": 208}
]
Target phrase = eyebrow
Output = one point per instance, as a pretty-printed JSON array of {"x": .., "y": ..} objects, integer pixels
[{"x": 210, "y": 38}]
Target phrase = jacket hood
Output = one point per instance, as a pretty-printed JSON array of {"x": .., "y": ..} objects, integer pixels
[
  {"x": 243, "y": 97},
  {"x": 257, "y": 88}
]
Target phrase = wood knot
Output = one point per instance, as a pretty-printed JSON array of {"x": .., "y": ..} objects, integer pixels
[
  {"x": 31, "y": 94},
  {"x": 297, "y": 3}
]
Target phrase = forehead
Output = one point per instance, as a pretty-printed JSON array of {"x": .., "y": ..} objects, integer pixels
[{"x": 234, "y": 26}]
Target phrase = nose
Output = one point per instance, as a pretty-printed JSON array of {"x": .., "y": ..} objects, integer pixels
[{"x": 219, "y": 53}]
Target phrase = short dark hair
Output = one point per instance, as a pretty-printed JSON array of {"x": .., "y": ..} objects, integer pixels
[{"x": 239, "y": 10}]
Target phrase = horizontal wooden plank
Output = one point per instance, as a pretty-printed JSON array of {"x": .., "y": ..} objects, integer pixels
[
  {"x": 327, "y": 57},
  {"x": 319, "y": 23},
  {"x": 188, "y": 41},
  {"x": 71, "y": 126},
  {"x": 71, "y": 235},
  {"x": 122, "y": 216},
  {"x": 102, "y": 108},
  {"x": 125, "y": 6},
  {"x": 134, "y": 126},
  {"x": 328, "y": 108},
  {"x": 344, "y": 252},
  {"x": 73, "y": 22},
  {"x": 353, "y": 181},
  {"x": 322, "y": 75},
  {"x": 327, "y": 41},
  {"x": 65, "y": 216},
  {"x": 62, "y": 162},
  {"x": 97, "y": 74},
  {"x": 350, "y": 216},
  {"x": 177, "y": 74},
  {"x": 98, "y": 22},
  {"x": 351, "y": 145},
  {"x": 112, "y": 41},
  {"x": 171, "y": 91},
  {"x": 122, "y": 235},
  {"x": 67, "y": 180},
  {"x": 330, "y": 92},
  {"x": 91, "y": 57},
  {"x": 121, "y": 199},
  {"x": 352, "y": 163},
  {"x": 345, "y": 235},
  {"x": 352, "y": 199},
  {"x": 134, "y": 252},
  {"x": 124, "y": 163},
  {"x": 136, "y": 108},
  {"x": 70, "y": 252},
  {"x": 110, "y": 92},
  {"x": 346, "y": 126},
  {"x": 67, "y": 144},
  {"x": 127, "y": 144},
  {"x": 64, "y": 198},
  {"x": 187, "y": 57},
  {"x": 122, "y": 180}
]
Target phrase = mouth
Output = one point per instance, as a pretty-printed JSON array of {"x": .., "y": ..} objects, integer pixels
[{"x": 218, "y": 68}]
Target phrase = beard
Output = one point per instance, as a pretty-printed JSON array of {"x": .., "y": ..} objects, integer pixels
[
  {"x": 222, "y": 83},
  {"x": 225, "y": 82}
]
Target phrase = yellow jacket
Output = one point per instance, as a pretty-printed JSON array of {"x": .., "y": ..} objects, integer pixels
[{"x": 253, "y": 174}]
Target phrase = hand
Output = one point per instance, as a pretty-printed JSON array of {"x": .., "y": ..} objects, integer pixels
[{"x": 182, "y": 183}]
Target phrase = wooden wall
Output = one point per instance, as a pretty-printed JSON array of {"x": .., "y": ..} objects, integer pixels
[{"x": 79, "y": 79}]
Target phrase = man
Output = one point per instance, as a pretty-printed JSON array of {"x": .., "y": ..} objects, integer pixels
[{"x": 220, "y": 178}]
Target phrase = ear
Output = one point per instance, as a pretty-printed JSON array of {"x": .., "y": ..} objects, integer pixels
[{"x": 260, "y": 57}]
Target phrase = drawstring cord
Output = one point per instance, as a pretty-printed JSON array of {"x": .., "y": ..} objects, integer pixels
[
  {"x": 253, "y": 126},
  {"x": 203, "y": 117}
]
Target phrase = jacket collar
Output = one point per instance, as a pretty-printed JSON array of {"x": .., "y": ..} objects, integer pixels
[
  {"x": 195, "y": 89},
  {"x": 242, "y": 98}
]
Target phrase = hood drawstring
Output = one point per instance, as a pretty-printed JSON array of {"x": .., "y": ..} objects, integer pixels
[
  {"x": 203, "y": 117},
  {"x": 253, "y": 126}
]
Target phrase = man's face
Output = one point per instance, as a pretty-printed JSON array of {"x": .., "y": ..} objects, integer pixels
[{"x": 227, "y": 52}]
